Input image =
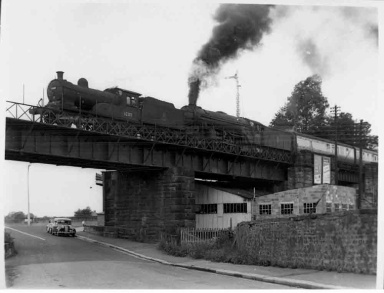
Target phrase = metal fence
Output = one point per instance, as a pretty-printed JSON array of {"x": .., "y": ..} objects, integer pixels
[{"x": 193, "y": 235}]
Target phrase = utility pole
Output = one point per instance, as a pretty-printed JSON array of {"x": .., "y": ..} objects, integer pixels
[
  {"x": 335, "y": 110},
  {"x": 360, "y": 167},
  {"x": 236, "y": 77},
  {"x": 29, "y": 214}
]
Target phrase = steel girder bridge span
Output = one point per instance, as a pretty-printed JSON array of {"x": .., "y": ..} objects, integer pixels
[{"x": 87, "y": 141}]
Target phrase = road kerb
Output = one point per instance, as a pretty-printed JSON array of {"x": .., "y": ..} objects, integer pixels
[
  {"x": 276, "y": 280},
  {"x": 125, "y": 250}
]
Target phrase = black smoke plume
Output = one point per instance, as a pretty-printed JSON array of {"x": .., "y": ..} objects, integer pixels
[
  {"x": 240, "y": 27},
  {"x": 194, "y": 89}
]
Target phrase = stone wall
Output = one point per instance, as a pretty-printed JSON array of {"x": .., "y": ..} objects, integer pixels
[
  {"x": 144, "y": 204},
  {"x": 299, "y": 177},
  {"x": 100, "y": 219},
  {"x": 343, "y": 241}
]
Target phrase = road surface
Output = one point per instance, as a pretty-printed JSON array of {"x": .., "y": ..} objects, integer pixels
[{"x": 45, "y": 261}]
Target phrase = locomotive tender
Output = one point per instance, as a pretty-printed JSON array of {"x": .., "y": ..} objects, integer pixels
[{"x": 132, "y": 107}]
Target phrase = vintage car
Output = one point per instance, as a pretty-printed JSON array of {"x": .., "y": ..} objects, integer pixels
[{"x": 61, "y": 226}]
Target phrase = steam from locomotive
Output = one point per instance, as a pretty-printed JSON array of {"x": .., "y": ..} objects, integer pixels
[{"x": 240, "y": 27}]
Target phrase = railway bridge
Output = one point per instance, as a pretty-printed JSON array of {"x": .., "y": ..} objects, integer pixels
[
  {"x": 154, "y": 168},
  {"x": 95, "y": 142},
  {"x": 151, "y": 186}
]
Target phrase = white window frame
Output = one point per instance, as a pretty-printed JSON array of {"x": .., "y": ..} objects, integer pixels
[
  {"x": 306, "y": 210},
  {"x": 286, "y": 203},
  {"x": 265, "y": 204}
]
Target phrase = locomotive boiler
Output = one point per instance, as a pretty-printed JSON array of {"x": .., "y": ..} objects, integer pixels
[
  {"x": 112, "y": 103},
  {"x": 248, "y": 133}
]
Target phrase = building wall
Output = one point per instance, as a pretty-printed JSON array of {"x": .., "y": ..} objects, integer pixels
[
  {"x": 344, "y": 242},
  {"x": 208, "y": 195},
  {"x": 333, "y": 198}
]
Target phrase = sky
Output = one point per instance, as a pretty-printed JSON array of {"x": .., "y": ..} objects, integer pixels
[{"x": 149, "y": 47}]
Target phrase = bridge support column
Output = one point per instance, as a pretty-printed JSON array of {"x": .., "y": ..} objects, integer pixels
[
  {"x": 370, "y": 185},
  {"x": 301, "y": 174},
  {"x": 142, "y": 204}
]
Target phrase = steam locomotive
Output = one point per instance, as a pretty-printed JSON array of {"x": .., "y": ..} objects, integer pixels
[{"x": 131, "y": 107}]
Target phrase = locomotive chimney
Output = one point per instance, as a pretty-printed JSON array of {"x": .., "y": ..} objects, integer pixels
[
  {"x": 60, "y": 74},
  {"x": 194, "y": 89}
]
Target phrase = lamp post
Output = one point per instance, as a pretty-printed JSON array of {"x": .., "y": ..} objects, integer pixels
[{"x": 29, "y": 216}]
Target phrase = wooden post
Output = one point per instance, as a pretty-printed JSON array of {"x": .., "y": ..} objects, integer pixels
[{"x": 360, "y": 195}]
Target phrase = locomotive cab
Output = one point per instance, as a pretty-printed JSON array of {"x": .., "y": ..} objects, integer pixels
[{"x": 125, "y": 97}]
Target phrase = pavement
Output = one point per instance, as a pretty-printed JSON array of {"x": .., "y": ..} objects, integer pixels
[{"x": 299, "y": 278}]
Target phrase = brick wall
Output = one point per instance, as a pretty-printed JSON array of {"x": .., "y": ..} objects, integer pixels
[
  {"x": 144, "y": 204},
  {"x": 344, "y": 241}
]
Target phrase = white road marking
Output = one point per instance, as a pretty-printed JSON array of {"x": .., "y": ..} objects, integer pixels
[{"x": 25, "y": 233}]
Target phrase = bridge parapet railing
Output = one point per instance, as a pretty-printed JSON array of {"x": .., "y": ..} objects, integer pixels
[
  {"x": 88, "y": 122},
  {"x": 21, "y": 111},
  {"x": 41, "y": 114}
]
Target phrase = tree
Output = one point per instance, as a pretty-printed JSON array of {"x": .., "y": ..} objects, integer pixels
[
  {"x": 16, "y": 217},
  {"x": 305, "y": 110},
  {"x": 87, "y": 212}
]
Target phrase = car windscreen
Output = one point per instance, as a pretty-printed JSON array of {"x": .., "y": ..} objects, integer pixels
[{"x": 62, "y": 222}]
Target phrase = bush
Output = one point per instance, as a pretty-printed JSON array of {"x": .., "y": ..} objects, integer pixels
[
  {"x": 173, "y": 249},
  {"x": 7, "y": 237},
  {"x": 220, "y": 250},
  {"x": 200, "y": 250},
  {"x": 9, "y": 245}
]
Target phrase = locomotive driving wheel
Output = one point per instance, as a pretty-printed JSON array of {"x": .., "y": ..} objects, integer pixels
[{"x": 48, "y": 117}]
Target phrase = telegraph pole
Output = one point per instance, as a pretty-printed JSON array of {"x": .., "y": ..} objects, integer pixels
[
  {"x": 29, "y": 214},
  {"x": 236, "y": 77},
  {"x": 360, "y": 167},
  {"x": 335, "y": 110}
]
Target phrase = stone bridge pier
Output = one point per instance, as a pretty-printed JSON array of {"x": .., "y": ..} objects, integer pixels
[{"x": 143, "y": 204}]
